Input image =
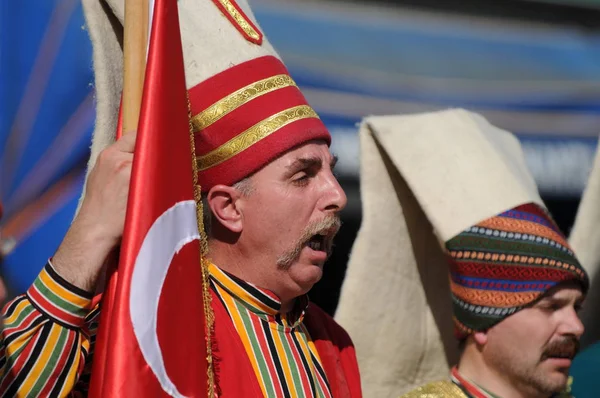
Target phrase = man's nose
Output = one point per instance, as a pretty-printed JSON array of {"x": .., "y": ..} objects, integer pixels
[
  {"x": 336, "y": 197},
  {"x": 572, "y": 324}
]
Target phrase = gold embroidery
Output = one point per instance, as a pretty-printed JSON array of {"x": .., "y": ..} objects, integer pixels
[
  {"x": 239, "y": 18},
  {"x": 238, "y": 98},
  {"x": 209, "y": 316},
  {"x": 254, "y": 134},
  {"x": 439, "y": 389}
]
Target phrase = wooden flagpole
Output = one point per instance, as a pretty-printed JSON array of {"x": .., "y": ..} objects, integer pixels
[
  {"x": 134, "y": 61},
  {"x": 135, "y": 42}
]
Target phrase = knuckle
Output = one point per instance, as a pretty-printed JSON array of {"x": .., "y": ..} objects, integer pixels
[
  {"x": 104, "y": 156},
  {"x": 123, "y": 166}
]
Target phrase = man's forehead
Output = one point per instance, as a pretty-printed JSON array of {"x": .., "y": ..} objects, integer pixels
[
  {"x": 567, "y": 291},
  {"x": 309, "y": 151}
]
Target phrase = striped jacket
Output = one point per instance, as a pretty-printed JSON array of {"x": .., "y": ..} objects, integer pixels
[{"x": 48, "y": 341}]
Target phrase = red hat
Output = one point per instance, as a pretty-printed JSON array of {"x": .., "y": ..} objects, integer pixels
[
  {"x": 246, "y": 109},
  {"x": 246, "y": 116}
]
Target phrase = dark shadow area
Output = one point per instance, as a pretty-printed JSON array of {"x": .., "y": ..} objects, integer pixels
[
  {"x": 326, "y": 293},
  {"x": 563, "y": 209}
]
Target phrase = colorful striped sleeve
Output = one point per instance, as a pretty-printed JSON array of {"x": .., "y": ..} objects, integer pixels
[{"x": 47, "y": 339}]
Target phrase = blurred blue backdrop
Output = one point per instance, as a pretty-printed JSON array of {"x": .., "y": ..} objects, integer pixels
[{"x": 540, "y": 81}]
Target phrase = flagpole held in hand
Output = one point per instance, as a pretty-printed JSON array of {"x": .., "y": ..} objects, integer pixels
[
  {"x": 155, "y": 330},
  {"x": 135, "y": 44},
  {"x": 134, "y": 61}
]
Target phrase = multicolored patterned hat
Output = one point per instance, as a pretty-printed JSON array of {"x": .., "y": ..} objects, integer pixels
[
  {"x": 505, "y": 263},
  {"x": 246, "y": 109}
]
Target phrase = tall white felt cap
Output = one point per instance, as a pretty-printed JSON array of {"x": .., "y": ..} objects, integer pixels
[
  {"x": 424, "y": 179},
  {"x": 585, "y": 240},
  {"x": 211, "y": 43}
]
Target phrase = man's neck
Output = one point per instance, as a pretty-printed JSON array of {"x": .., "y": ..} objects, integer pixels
[
  {"x": 473, "y": 368},
  {"x": 287, "y": 306},
  {"x": 234, "y": 263}
]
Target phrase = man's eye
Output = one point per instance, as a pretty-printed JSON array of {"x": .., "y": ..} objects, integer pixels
[
  {"x": 550, "y": 307},
  {"x": 301, "y": 179}
]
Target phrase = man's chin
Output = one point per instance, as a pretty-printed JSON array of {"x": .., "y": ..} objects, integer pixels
[
  {"x": 555, "y": 380},
  {"x": 306, "y": 272}
]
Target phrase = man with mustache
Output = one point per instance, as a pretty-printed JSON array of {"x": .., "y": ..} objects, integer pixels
[
  {"x": 516, "y": 289},
  {"x": 271, "y": 207}
]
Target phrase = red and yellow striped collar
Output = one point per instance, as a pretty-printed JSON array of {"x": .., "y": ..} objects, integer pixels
[
  {"x": 469, "y": 387},
  {"x": 260, "y": 301}
]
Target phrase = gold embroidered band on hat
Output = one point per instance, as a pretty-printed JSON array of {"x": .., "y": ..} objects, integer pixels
[
  {"x": 254, "y": 134},
  {"x": 240, "y": 19},
  {"x": 238, "y": 98}
]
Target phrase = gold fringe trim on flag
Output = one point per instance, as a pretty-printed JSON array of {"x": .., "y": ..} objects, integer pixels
[{"x": 209, "y": 315}]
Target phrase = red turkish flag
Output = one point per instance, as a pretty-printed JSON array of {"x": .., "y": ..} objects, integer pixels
[{"x": 152, "y": 335}]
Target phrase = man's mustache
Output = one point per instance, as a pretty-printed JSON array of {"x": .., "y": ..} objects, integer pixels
[
  {"x": 328, "y": 227},
  {"x": 566, "y": 347}
]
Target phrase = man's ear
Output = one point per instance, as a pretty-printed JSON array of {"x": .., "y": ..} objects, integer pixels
[
  {"x": 223, "y": 202},
  {"x": 480, "y": 337}
]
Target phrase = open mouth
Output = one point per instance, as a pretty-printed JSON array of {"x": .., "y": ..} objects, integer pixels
[
  {"x": 561, "y": 356},
  {"x": 318, "y": 242},
  {"x": 319, "y": 236}
]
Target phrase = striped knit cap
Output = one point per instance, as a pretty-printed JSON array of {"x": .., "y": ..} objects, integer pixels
[{"x": 506, "y": 263}]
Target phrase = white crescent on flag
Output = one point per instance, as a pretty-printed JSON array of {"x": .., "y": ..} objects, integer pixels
[{"x": 174, "y": 229}]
